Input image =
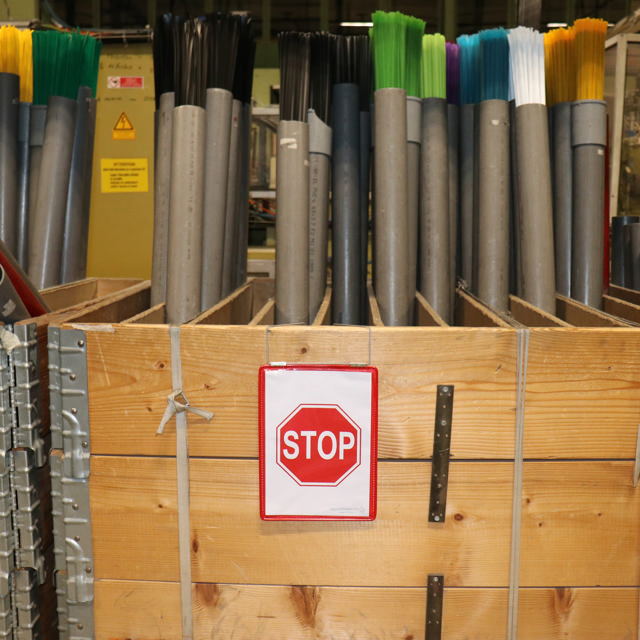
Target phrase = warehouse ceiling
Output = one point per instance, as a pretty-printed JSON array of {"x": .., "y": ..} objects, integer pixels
[{"x": 471, "y": 15}]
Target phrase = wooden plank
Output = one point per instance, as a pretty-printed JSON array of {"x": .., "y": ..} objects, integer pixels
[
  {"x": 426, "y": 316},
  {"x": 66, "y": 295},
  {"x": 266, "y": 315},
  {"x": 148, "y": 610},
  {"x": 621, "y": 308},
  {"x": 234, "y": 309},
  {"x": 580, "y": 524},
  {"x": 264, "y": 289},
  {"x": 323, "y": 317},
  {"x": 580, "y": 315},
  {"x": 231, "y": 544},
  {"x": 154, "y": 315},
  {"x": 630, "y": 295},
  {"x": 582, "y": 393},
  {"x": 470, "y": 312},
  {"x": 83, "y": 291},
  {"x": 375, "y": 319},
  {"x": 130, "y": 377},
  {"x": 531, "y": 316},
  {"x": 114, "y": 308}
]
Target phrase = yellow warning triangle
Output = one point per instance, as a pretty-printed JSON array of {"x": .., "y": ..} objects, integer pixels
[{"x": 123, "y": 124}]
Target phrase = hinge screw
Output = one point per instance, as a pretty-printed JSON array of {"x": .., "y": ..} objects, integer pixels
[
  {"x": 81, "y": 343},
  {"x": 85, "y": 444},
  {"x": 87, "y": 569},
  {"x": 73, "y": 376},
  {"x": 74, "y": 507}
]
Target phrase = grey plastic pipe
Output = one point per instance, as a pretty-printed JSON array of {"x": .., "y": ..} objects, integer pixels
[
  {"x": 320, "y": 136},
  {"x": 466, "y": 161},
  {"x": 619, "y": 272},
  {"x": 292, "y": 223},
  {"x": 453, "y": 127},
  {"x": 216, "y": 168},
  {"x": 186, "y": 202},
  {"x": 74, "y": 247},
  {"x": 345, "y": 230},
  {"x": 535, "y": 206},
  {"x": 493, "y": 203},
  {"x": 414, "y": 135},
  {"x": 47, "y": 230},
  {"x": 88, "y": 184},
  {"x": 10, "y": 94},
  {"x": 162, "y": 190},
  {"x": 561, "y": 160},
  {"x": 632, "y": 238},
  {"x": 22, "y": 229},
  {"x": 36, "y": 140},
  {"x": 515, "y": 252},
  {"x": 230, "y": 227},
  {"x": 588, "y": 138},
  {"x": 242, "y": 215},
  {"x": 435, "y": 282},
  {"x": 365, "y": 172},
  {"x": 391, "y": 238}
]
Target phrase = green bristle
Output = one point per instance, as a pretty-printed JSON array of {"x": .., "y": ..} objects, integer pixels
[
  {"x": 415, "y": 30},
  {"x": 389, "y": 42},
  {"x": 91, "y": 64},
  {"x": 434, "y": 66},
  {"x": 62, "y": 62}
]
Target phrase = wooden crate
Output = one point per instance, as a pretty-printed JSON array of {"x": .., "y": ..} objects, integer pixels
[{"x": 580, "y": 517}]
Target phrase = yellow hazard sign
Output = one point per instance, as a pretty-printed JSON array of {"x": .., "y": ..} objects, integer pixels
[{"x": 123, "y": 129}]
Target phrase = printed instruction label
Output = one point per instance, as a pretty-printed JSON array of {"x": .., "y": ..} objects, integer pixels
[
  {"x": 123, "y": 128},
  {"x": 124, "y": 175}
]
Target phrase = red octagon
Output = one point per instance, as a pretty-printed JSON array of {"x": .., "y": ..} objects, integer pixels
[{"x": 318, "y": 445}]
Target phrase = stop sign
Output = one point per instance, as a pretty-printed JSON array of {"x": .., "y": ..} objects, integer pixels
[{"x": 318, "y": 445}]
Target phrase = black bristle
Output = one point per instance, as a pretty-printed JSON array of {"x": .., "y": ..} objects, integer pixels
[
  {"x": 363, "y": 71},
  {"x": 243, "y": 76},
  {"x": 163, "y": 55},
  {"x": 320, "y": 74},
  {"x": 223, "y": 36},
  {"x": 294, "y": 75}
]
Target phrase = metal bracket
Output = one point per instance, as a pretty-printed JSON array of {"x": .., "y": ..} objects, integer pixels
[
  {"x": 27, "y": 604},
  {"x": 79, "y": 548},
  {"x": 80, "y": 621},
  {"x": 60, "y": 581},
  {"x": 27, "y": 397},
  {"x": 435, "y": 595},
  {"x": 55, "y": 395},
  {"x": 74, "y": 404},
  {"x": 441, "y": 449},
  {"x": 7, "y": 415},
  {"x": 57, "y": 511}
]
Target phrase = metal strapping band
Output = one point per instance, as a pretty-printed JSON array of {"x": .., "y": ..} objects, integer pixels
[
  {"x": 521, "y": 385},
  {"x": 178, "y": 405}
]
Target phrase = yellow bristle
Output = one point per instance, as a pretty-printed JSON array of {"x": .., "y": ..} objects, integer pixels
[
  {"x": 560, "y": 66},
  {"x": 26, "y": 66},
  {"x": 9, "y": 50},
  {"x": 590, "y": 36}
]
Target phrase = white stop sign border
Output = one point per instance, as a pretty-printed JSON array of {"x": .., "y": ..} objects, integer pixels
[{"x": 282, "y": 391}]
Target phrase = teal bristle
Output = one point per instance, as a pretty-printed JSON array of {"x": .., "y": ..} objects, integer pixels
[
  {"x": 469, "y": 69},
  {"x": 494, "y": 60}
]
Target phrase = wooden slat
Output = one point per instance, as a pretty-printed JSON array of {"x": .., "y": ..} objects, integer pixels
[
  {"x": 580, "y": 315},
  {"x": 129, "y": 380},
  {"x": 623, "y": 293},
  {"x": 154, "y": 315},
  {"x": 234, "y": 309},
  {"x": 470, "y": 312},
  {"x": 531, "y": 316},
  {"x": 621, "y": 308},
  {"x": 580, "y": 524},
  {"x": 114, "y": 308},
  {"x": 148, "y": 610},
  {"x": 582, "y": 394},
  {"x": 426, "y": 316},
  {"x": 375, "y": 319},
  {"x": 83, "y": 291},
  {"x": 323, "y": 317},
  {"x": 266, "y": 315},
  {"x": 231, "y": 544}
]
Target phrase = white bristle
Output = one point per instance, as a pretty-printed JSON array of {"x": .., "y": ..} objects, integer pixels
[{"x": 526, "y": 54}]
